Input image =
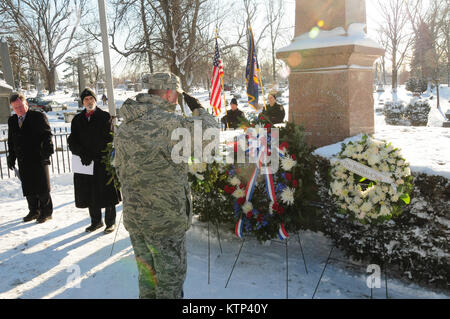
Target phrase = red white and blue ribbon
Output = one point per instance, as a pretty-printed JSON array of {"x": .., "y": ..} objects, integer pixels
[
  {"x": 282, "y": 233},
  {"x": 270, "y": 188},
  {"x": 239, "y": 228}
]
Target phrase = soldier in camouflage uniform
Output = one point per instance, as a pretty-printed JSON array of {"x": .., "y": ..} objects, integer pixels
[{"x": 156, "y": 195}]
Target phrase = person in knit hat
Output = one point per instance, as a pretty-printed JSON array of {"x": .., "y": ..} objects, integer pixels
[
  {"x": 234, "y": 116},
  {"x": 90, "y": 134}
]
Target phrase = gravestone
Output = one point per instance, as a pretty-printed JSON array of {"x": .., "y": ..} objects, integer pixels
[
  {"x": 6, "y": 63},
  {"x": 331, "y": 62},
  {"x": 5, "y": 93}
]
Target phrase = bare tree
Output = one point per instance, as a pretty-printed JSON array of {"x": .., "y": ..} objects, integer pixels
[
  {"x": 398, "y": 39},
  {"x": 48, "y": 26},
  {"x": 274, "y": 14},
  {"x": 430, "y": 23}
]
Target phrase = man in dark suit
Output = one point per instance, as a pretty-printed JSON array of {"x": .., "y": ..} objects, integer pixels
[
  {"x": 90, "y": 134},
  {"x": 30, "y": 143},
  {"x": 234, "y": 116}
]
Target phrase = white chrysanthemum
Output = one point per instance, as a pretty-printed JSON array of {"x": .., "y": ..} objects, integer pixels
[
  {"x": 407, "y": 171},
  {"x": 287, "y": 163},
  {"x": 200, "y": 177},
  {"x": 358, "y": 200},
  {"x": 373, "y": 159},
  {"x": 247, "y": 207},
  {"x": 400, "y": 163},
  {"x": 235, "y": 181},
  {"x": 384, "y": 211},
  {"x": 366, "y": 207},
  {"x": 287, "y": 196},
  {"x": 238, "y": 193}
]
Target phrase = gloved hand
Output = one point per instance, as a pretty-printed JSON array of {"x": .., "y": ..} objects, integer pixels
[
  {"x": 11, "y": 162},
  {"x": 192, "y": 102},
  {"x": 85, "y": 160}
]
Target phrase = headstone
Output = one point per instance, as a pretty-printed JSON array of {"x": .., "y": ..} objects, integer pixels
[
  {"x": 6, "y": 63},
  {"x": 331, "y": 79},
  {"x": 5, "y": 93}
]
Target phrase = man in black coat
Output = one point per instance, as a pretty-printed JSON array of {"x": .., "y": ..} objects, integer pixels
[
  {"x": 30, "y": 142},
  {"x": 233, "y": 117},
  {"x": 90, "y": 134}
]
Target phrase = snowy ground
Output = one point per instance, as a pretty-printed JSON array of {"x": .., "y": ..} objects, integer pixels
[{"x": 58, "y": 259}]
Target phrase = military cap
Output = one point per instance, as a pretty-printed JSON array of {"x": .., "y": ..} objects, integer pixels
[{"x": 163, "y": 81}]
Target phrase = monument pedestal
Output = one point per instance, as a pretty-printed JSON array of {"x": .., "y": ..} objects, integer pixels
[
  {"x": 331, "y": 93},
  {"x": 331, "y": 62}
]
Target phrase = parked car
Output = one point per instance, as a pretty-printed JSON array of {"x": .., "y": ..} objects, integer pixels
[
  {"x": 35, "y": 102},
  {"x": 55, "y": 106}
]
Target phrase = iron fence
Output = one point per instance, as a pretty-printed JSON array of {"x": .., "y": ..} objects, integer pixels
[{"x": 60, "y": 159}]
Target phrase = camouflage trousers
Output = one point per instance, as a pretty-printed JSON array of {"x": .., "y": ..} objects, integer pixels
[{"x": 161, "y": 264}]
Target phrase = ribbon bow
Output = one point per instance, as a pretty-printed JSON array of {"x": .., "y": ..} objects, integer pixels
[{"x": 88, "y": 114}]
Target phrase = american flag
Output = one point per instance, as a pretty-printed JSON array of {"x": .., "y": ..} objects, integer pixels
[{"x": 216, "y": 92}]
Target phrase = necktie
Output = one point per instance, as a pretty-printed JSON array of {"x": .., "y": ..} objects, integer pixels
[{"x": 20, "y": 121}]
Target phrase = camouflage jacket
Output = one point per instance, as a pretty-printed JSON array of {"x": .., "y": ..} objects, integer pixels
[{"x": 155, "y": 190}]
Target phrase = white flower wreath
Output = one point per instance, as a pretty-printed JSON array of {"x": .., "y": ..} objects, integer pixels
[{"x": 379, "y": 194}]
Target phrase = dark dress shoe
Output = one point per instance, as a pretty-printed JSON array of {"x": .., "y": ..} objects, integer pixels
[
  {"x": 31, "y": 216},
  {"x": 109, "y": 229},
  {"x": 43, "y": 219},
  {"x": 94, "y": 227}
]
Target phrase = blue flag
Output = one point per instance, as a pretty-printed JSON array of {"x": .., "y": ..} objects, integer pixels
[{"x": 251, "y": 75}]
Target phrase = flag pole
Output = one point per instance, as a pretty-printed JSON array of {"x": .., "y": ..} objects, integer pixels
[{"x": 259, "y": 73}]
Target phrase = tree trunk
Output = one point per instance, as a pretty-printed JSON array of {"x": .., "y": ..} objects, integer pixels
[
  {"x": 51, "y": 80},
  {"x": 146, "y": 36}
]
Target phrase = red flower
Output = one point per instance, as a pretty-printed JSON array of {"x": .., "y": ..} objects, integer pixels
[
  {"x": 262, "y": 118},
  {"x": 259, "y": 218},
  {"x": 284, "y": 145},
  {"x": 280, "y": 210},
  {"x": 294, "y": 157},
  {"x": 241, "y": 201},
  {"x": 242, "y": 185},
  {"x": 275, "y": 206},
  {"x": 267, "y": 125},
  {"x": 288, "y": 176},
  {"x": 295, "y": 183},
  {"x": 249, "y": 214}
]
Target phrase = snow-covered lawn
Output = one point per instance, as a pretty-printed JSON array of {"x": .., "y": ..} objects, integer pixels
[{"x": 58, "y": 259}]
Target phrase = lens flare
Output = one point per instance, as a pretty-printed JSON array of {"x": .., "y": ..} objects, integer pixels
[
  {"x": 314, "y": 32},
  {"x": 294, "y": 59}
]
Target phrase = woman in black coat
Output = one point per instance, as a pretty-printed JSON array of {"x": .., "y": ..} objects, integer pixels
[
  {"x": 90, "y": 134},
  {"x": 30, "y": 143},
  {"x": 275, "y": 112}
]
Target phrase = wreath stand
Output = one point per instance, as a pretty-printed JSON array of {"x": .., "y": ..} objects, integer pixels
[
  {"x": 209, "y": 245},
  {"x": 285, "y": 243},
  {"x": 336, "y": 259}
]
